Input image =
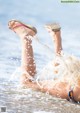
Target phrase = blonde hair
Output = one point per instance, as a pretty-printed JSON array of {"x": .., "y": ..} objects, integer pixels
[{"x": 68, "y": 69}]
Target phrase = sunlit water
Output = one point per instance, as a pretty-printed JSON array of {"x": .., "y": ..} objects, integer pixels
[{"x": 37, "y": 13}]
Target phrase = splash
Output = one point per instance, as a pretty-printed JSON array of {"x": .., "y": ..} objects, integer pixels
[
  {"x": 43, "y": 47},
  {"x": 15, "y": 74},
  {"x": 64, "y": 68}
]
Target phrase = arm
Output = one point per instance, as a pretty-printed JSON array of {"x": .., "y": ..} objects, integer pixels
[{"x": 55, "y": 88}]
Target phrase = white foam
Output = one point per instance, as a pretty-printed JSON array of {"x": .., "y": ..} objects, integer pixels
[
  {"x": 43, "y": 112},
  {"x": 68, "y": 68}
]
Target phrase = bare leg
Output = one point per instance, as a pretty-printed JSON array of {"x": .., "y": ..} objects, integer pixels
[
  {"x": 28, "y": 63},
  {"x": 55, "y": 32},
  {"x": 24, "y": 32},
  {"x": 57, "y": 42}
]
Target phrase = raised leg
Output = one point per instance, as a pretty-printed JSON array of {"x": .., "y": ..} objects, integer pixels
[
  {"x": 25, "y": 33},
  {"x": 57, "y": 42},
  {"x": 28, "y": 62},
  {"x": 55, "y": 32}
]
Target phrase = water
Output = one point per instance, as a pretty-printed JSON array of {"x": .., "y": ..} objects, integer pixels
[{"x": 37, "y": 13}]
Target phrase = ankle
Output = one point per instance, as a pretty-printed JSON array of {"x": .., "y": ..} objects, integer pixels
[{"x": 57, "y": 33}]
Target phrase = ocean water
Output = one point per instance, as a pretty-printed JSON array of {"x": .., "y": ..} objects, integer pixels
[{"x": 36, "y": 13}]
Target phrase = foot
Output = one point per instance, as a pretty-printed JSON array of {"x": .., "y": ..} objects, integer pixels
[
  {"x": 21, "y": 29},
  {"x": 53, "y": 27}
]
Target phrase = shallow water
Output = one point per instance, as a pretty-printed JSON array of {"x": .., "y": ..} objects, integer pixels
[
  {"x": 19, "y": 100},
  {"x": 12, "y": 96}
]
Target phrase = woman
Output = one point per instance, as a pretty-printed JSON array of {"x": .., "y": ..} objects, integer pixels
[{"x": 60, "y": 88}]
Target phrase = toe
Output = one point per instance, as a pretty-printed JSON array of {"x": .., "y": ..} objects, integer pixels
[{"x": 11, "y": 24}]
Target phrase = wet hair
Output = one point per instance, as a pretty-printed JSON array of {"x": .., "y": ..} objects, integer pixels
[{"x": 69, "y": 69}]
